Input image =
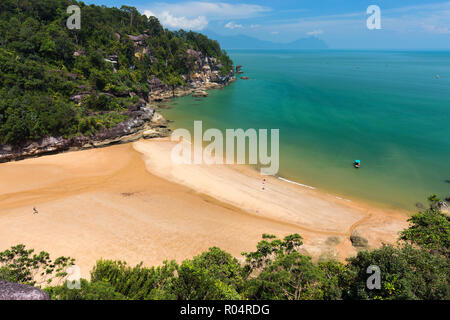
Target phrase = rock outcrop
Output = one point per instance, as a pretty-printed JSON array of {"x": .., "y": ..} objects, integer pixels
[
  {"x": 140, "y": 123},
  {"x": 200, "y": 93},
  {"x": 444, "y": 207},
  {"x": 15, "y": 291},
  {"x": 141, "y": 118}
]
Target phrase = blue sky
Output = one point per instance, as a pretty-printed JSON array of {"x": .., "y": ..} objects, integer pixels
[{"x": 405, "y": 24}]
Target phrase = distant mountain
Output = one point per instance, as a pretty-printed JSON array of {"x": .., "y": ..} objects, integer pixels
[
  {"x": 246, "y": 42},
  {"x": 306, "y": 43}
]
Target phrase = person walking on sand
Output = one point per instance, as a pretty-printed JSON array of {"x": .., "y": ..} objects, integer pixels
[{"x": 35, "y": 210}]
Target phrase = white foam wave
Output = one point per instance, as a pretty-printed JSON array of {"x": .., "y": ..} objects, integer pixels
[{"x": 296, "y": 183}]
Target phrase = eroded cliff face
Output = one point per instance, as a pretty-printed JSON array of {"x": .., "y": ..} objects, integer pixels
[{"x": 143, "y": 121}]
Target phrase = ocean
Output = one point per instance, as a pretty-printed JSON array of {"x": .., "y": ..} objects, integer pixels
[{"x": 391, "y": 110}]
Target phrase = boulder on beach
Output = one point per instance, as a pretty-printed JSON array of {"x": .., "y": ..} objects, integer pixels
[
  {"x": 16, "y": 291},
  {"x": 358, "y": 241}
]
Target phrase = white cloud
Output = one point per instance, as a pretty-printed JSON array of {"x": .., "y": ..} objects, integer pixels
[
  {"x": 196, "y": 15},
  {"x": 315, "y": 33},
  {"x": 181, "y": 22},
  {"x": 254, "y": 26},
  {"x": 232, "y": 25},
  {"x": 429, "y": 18},
  {"x": 213, "y": 11}
]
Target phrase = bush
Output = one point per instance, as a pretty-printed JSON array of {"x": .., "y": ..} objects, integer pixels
[
  {"x": 136, "y": 283},
  {"x": 39, "y": 72},
  {"x": 429, "y": 229},
  {"x": 406, "y": 274}
]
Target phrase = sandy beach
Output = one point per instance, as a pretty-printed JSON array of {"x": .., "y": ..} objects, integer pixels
[{"x": 130, "y": 202}]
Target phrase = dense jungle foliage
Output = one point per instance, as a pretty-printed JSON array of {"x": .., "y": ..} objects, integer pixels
[{"x": 39, "y": 72}]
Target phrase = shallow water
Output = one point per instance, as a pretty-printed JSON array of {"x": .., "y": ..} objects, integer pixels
[{"x": 388, "y": 109}]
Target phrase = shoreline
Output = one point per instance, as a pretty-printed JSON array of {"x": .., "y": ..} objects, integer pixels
[
  {"x": 296, "y": 183},
  {"x": 113, "y": 203},
  {"x": 352, "y": 198},
  {"x": 231, "y": 195},
  {"x": 329, "y": 191},
  {"x": 145, "y": 122},
  {"x": 158, "y": 163}
]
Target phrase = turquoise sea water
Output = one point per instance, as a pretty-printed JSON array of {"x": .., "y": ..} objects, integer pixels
[{"x": 388, "y": 109}]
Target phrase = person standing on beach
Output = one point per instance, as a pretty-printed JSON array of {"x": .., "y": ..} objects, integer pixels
[{"x": 35, "y": 210}]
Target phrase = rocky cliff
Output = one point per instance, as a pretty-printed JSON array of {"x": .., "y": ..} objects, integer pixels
[
  {"x": 142, "y": 121},
  {"x": 204, "y": 76}
]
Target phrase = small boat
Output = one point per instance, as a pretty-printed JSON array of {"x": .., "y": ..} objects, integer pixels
[{"x": 357, "y": 164}]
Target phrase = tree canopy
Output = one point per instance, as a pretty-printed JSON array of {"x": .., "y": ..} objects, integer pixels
[{"x": 276, "y": 270}]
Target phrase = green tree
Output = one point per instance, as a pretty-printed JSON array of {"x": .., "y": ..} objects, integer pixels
[
  {"x": 333, "y": 279},
  {"x": 214, "y": 275},
  {"x": 137, "y": 283},
  {"x": 43, "y": 65},
  {"x": 276, "y": 270},
  {"x": 289, "y": 277},
  {"x": 429, "y": 229},
  {"x": 407, "y": 273},
  {"x": 269, "y": 248},
  {"x": 23, "y": 266},
  {"x": 173, "y": 81}
]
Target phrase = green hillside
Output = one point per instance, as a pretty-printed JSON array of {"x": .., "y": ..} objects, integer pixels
[{"x": 417, "y": 268}]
